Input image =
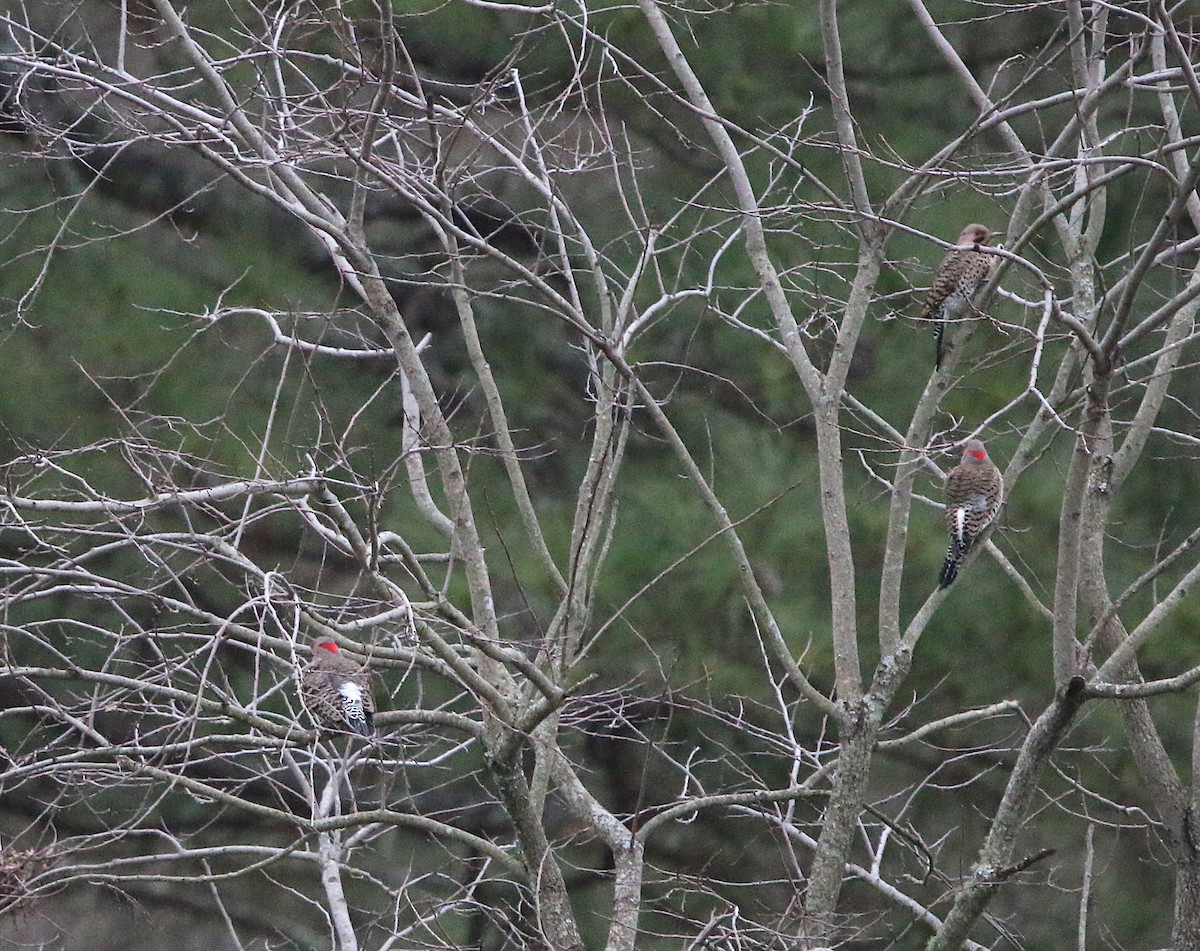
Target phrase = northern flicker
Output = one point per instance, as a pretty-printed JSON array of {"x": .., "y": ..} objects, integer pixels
[
  {"x": 337, "y": 690},
  {"x": 959, "y": 276},
  {"x": 974, "y": 491}
]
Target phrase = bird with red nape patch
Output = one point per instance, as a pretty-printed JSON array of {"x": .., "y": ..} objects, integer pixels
[
  {"x": 974, "y": 493},
  {"x": 336, "y": 690}
]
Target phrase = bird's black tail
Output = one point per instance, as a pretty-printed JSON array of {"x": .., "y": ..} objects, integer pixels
[
  {"x": 939, "y": 330},
  {"x": 954, "y": 557}
]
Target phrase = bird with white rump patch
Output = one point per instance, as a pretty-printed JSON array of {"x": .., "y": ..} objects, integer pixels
[{"x": 336, "y": 690}]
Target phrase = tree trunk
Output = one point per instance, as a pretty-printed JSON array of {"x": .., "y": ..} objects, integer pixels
[
  {"x": 837, "y": 833},
  {"x": 1185, "y": 934},
  {"x": 554, "y": 918}
]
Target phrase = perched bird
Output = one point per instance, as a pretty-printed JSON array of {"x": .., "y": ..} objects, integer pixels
[
  {"x": 974, "y": 491},
  {"x": 959, "y": 276},
  {"x": 337, "y": 690}
]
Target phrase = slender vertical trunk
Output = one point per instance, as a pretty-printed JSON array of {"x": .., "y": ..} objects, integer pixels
[
  {"x": 837, "y": 832},
  {"x": 627, "y": 897},
  {"x": 1185, "y": 934},
  {"x": 330, "y": 854},
  {"x": 555, "y": 919}
]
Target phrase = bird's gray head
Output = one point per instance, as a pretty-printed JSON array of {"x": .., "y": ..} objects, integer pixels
[
  {"x": 974, "y": 234},
  {"x": 974, "y": 452},
  {"x": 323, "y": 644}
]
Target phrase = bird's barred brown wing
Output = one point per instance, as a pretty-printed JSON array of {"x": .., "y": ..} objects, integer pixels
[
  {"x": 960, "y": 275},
  {"x": 320, "y": 697},
  {"x": 943, "y": 284}
]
